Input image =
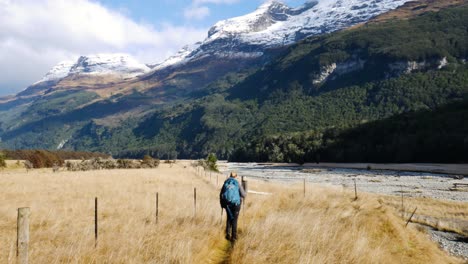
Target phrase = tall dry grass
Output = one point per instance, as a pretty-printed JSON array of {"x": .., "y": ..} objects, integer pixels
[
  {"x": 329, "y": 226},
  {"x": 62, "y": 216},
  {"x": 326, "y": 226}
]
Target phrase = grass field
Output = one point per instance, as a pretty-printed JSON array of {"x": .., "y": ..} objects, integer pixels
[{"x": 325, "y": 226}]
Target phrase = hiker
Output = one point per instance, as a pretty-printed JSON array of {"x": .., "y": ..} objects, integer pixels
[{"x": 230, "y": 198}]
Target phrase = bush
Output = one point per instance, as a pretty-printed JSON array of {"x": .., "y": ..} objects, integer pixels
[
  {"x": 44, "y": 159},
  {"x": 211, "y": 162},
  {"x": 149, "y": 162},
  {"x": 2, "y": 160},
  {"x": 23, "y": 154},
  {"x": 109, "y": 164}
]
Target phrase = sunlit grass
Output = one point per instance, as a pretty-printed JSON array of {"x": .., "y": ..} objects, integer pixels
[{"x": 325, "y": 226}]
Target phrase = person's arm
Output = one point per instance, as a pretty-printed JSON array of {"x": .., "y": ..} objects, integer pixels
[
  {"x": 221, "y": 199},
  {"x": 242, "y": 192}
]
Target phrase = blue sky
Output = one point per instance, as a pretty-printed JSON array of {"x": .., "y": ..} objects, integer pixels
[
  {"x": 167, "y": 11},
  {"x": 35, "y": 35}
]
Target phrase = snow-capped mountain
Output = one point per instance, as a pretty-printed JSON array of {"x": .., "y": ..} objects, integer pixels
[
  {"x": 275, "y": 24},
  {"x": 271, "y": 25},
  {"x": 122, "y": 65}
]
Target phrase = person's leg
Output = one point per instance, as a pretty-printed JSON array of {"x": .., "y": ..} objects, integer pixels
[
  {"x": 235, "y": 213},
  {"x": 229, "y": 219},
  {"x": 228, "y": 228}
]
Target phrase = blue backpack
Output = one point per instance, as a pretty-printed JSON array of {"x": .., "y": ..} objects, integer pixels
[{"x": 230, "y": 193}]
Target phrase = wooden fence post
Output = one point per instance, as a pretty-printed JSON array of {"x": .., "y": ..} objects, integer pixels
[
  {"x": 22, "y": 241},
  {"x": 304, "y": 187},
  {"x": 194, "y": 202},
  {"x": 402, "y": 208},
  {"x": 245, "y": 186},
  {"x": 407, "y": 222},
  {"x": 95, "y": 221},
  {"x": 221, "y": 220},
  {"x": 157, "y": 207},
  {"x": 355, "y": 190}
]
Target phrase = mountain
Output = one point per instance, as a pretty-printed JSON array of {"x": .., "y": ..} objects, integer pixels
[
  {"x": 115, "y": 66},
  {"x": 242, "y": 42},
  {"x": 274, "y": 25},
  {"x": 196, "y": 103},
  {"x": 328, "y": 84}
]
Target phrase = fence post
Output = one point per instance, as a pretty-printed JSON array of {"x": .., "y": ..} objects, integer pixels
[
  {"x": 194, "y": 202},
  {"x": 22, "y": 241},
  {"x": 245, "y": 186},
  {"x": 304, "y": 187},
  {"x": 355, "y": 190},
  {"x": 221, "y": 220},
  {"x": 402, "y": 208},
  {"x": 95, "y": 221},
  {"x": 409, "y": 220},
  {"x": 157, "y": 207}
]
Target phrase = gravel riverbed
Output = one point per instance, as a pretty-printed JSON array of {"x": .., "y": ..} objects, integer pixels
[{"x": 412, "y": 184}]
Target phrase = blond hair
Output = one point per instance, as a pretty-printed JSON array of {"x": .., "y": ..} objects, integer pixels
[{"x": 233, "y": 174}]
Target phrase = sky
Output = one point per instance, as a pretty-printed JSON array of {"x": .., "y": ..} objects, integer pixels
[{"x": 35, "y": 35}]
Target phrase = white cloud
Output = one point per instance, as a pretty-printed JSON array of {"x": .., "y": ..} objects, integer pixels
[
  {"x": 196, "y": 12},
  {"x": 37, "y": 34}
]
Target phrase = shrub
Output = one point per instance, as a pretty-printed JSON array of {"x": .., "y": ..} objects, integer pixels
[
  {"x": 109, "y": 164},
  {"x": 2, "y": 160},
  {"x": 149, "y": 162},
  {"x": 211, "y": 162},
  {"x": 124, "y": 164},
  {"x": 44, "y": 159}
]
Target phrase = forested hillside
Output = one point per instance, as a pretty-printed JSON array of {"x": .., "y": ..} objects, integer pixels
[
  {"x": 280, "y": 99},
  {"x": 390, "y": 92},
  {"x": 438, "y": 135}
]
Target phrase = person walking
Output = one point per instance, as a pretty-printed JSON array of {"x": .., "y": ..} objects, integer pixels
[{"x": 230, "y": 197}]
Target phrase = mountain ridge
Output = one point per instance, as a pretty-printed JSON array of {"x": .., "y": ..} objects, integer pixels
[{"x": 194, "y": 108}]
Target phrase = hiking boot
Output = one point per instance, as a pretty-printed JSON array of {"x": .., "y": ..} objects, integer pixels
[{"x": 228, "y": 237}]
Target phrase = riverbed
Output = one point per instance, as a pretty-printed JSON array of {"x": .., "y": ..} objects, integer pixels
[{"x": 381, "y": 181}]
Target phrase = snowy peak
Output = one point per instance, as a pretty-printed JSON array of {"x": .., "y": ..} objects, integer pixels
[
  {"x": 265, "y": 16},
  {"x": 179, "y": 57},
  {"x": 59, "y": 71},
  {"x": 122, "y": 65},
  {"x": 275, "y": 24}
]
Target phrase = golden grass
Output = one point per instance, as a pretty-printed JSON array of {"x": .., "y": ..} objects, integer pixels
[
  {"x": 442, "y": 215},
  {"x": 326, "y": 226}
]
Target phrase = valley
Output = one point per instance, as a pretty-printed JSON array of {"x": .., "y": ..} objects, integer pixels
[{"x": 324, "y": 85}]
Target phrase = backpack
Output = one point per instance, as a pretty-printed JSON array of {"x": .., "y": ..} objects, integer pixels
[{"x": 230, "y": 193}]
